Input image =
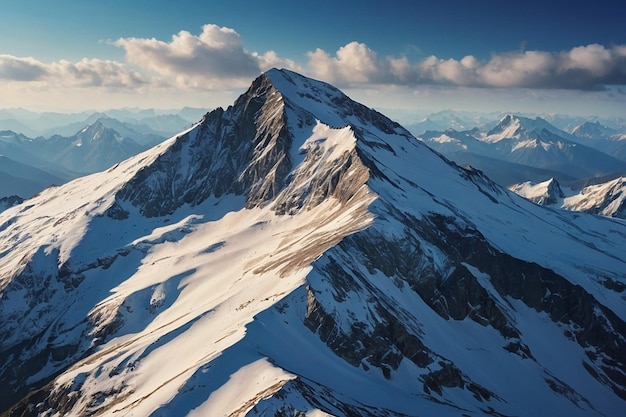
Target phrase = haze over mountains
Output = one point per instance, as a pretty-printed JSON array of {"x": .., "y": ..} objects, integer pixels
[
  {"x": 298, "y": 253},
  {"x": 46, "y": 124},
  {"x": 76, "y": 148}
]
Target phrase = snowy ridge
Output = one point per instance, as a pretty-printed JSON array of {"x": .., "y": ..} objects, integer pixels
[
  {"x": 301, "y": 254},
  {"x": 544, "y": 193},
  {"x": 607, "y": 199},
  {"x": 516, "y": 127}
]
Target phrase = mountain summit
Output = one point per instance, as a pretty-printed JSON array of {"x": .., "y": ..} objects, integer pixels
[{"x": 301, "y": 254}]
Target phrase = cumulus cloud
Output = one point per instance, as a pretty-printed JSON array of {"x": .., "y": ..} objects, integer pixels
[
  {"x": 588, "y": 67},
  {"x": 96, "y": 73},
  {"x": 214, "y": 59},
  {"x": 84, "y": 73},
  {"x": 354, "y": 63},
  {"x": 21, "y": 69}
]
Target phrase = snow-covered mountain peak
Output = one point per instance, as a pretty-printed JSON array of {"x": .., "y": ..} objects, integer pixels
[
  {"x": 252, "y": 147},
  {"x": 97, "y": 132},
  {"x": 545, "y": 193},
  {"x": 517, "y": 127},
  {"x": 593, "y": 130},
  {"x": 298, "y": 253},
  {"x": 329, "y": 105}
]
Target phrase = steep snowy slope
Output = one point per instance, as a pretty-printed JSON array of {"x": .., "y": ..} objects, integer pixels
[{"x": 301, "y": 254}]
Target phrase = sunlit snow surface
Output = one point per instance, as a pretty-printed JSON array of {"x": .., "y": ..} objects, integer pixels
[
  {"x": 607, "y": 199},
  {"x": 190, "y": 284},
  {"x": 205, "y": 306}
]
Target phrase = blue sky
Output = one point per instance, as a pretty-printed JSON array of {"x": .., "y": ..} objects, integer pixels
[{"x": 549, "y": 56}]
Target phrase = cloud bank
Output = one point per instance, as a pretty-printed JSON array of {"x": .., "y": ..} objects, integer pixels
[
  {"x": 84, "y": 73},
  {"x": 217, "y": 60},
  {"x": 588, "y": 67},
  {"x": 213, "y": 59}
]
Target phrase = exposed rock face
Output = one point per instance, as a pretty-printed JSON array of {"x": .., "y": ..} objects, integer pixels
[
  {"x": 243, "y": 150},
  {"x": 298, "y": 253},
  {"x": 6, "y": 202}
]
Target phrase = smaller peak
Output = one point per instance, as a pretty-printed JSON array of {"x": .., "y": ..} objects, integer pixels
[
  {"x": 98, "y": 123},
  {"x": 91, "y": 128},
  {"x": 509, "y": 120},
  {"x": 508, "y": 127},
  {"x": 554, "y": 188},
  {"x": 514, "y": 118},
  {"x": 544, "y": 193},
  {"x": 98, "y": 131}
]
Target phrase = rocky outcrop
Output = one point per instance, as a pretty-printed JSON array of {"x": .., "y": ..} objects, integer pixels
[{"x": 243, "y": 150}]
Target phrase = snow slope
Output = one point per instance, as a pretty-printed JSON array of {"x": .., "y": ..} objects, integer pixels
[
  {"x": 301, "y": 254},
  {"x": 606, "y": 199}
]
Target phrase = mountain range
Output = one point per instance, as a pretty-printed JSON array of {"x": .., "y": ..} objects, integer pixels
[
  {"x": 148, "y": 121},
  {"x": 609, "y": 140},
  {"x": 298, "y": 253},
  {"x": 520, "y": 149},
  {"x": 30, "y": 165}
]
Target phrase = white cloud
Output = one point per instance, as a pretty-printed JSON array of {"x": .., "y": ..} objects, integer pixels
[
  {"x": 586, "y": 67},
  {"x": 353, "y": 63},
  {"x": 21, "y": 69},
  {"x": 594, "y": 59},
  {"x": 215, "y": 62},
  {"x": 214, "y": 59},
  {"x": 84, "y": 73},
  {"x": 95, "y": 73},
  {"x": 518, "y": 69}
]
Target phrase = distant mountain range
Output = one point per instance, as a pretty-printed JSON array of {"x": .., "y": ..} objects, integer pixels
[
  {"x": 520, "y": 149},
  {"x": 31, "y": 164},
  {"x": 448, "y": 119},
  {"x": 598, "y": 136},
  {"x": 149, "y": 121}
]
